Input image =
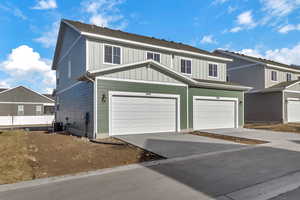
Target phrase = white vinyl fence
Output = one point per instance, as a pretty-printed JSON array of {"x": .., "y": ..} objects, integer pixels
[{"x": 26, "y": 120}]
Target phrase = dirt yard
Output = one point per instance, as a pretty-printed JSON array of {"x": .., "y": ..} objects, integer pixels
[
  {"x": 291, "y": 127},
  {"x": 229, "y": 138},
  {"x": 30, "y": 155}
]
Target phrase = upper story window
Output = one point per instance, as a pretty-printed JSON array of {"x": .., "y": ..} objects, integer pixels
[
  {"x": 38, "y": 109},
  {"x": 112, "y": 54},
  {"x": 186, "y": 66},
  {"x": 153, "y": 56},
  {"x": 273, "y": 75},
  {"x": 288, "y": 77},
  {"x": 20, "y": 109},
  {"x": 213, "y": 70}
]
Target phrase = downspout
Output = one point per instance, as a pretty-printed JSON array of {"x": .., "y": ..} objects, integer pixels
[{"x": 94, "y": 105}]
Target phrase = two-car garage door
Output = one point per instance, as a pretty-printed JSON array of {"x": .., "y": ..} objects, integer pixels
[
  {"x": 293, "y": 111},
  {"x": 212, "y": 113},
  {"x": 136, "y": 114}
]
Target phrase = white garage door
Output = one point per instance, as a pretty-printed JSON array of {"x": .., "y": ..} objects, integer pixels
[
  {"x": 136, "y": 115},
  {"x": 212, "y": 114},
  {"x": 293, "y": 111}
]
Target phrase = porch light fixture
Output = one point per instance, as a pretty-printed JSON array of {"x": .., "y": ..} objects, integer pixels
[{"x": 103, "y": 98}]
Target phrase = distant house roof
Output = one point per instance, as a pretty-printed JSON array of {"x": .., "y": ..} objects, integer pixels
[
  {"x": 277, "y": 87},
  {"x": 93, "y": 29},
  {"x": 3, "y": 89},
  {"x": 50, "y": 96},
  {"x": 261, "y": 60}
]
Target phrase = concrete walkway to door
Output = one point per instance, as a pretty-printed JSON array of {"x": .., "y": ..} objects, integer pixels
[{"x": 172, "y": 145}]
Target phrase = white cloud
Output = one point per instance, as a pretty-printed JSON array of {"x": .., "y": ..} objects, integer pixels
[
  {"x": 23, "y": 64},
  {"x": 48, "y": 38},
  {"x": 280, "y": 8},
  {"x": 208, "y": 39},
  {"x": 45, "y": 5},
  {"x": 48, "y": 90},
  {"x": 290, "y": 27},
  {"x": 4, "y": 84},
  {"x": 219, "y": 2},
  {"x": 105, "y": 13},
  {"x": 284, "y": 55},
  {"x": 236, "y": 29},
  {"x": 14, "y": 11},
  {"x": 231, "y": 9},
  {"x": 246, "y": 19}
]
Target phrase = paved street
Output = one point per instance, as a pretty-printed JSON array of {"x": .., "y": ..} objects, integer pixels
[{"x": 239, "y": 173}]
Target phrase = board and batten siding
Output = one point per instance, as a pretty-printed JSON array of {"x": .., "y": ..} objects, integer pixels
[
  {"x": 131, "y": 54},
  {"x": 281, "y": 76}
]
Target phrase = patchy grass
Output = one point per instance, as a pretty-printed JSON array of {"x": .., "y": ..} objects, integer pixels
[
  {"x": 14, "y": 157},
  {"x": 230, "y": 138},
  {"x": 31, "y": 155},
  {"x": 291, "y": 127}
]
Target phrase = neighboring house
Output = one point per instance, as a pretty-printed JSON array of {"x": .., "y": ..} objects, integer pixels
[
  {"x": 275, "y": 96},
  {"x": 111, "y": 82},
  {"x": 22, "y": 106}
]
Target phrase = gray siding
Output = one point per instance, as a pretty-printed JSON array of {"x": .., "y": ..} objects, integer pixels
[
  {"x": 74, "y": 103},
  {"x": 281, "y": 76},
  {"x": 264, "y": 107},
  {"x": 12, "y": 109},
  {"x": 131, "y": 54},
  {"x": 76, "y": 56},
  {"x": 143, "y": 73},
  {"x": 251, "y": 76}
]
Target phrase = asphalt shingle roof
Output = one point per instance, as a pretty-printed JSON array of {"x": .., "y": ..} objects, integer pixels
[{"x": 135, "y": 37}]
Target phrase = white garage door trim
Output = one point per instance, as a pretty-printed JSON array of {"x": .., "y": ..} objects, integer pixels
[
  {"x": 287, "y": 109},
  {"x": 236, "y": 101},
  {"x": 138, "y": 94}
]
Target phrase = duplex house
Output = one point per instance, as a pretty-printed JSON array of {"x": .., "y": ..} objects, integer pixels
[
  {"x": 111, "y": 82},
  {"x": 23, "y": 106},
  {"x": 275, "y": 96}
]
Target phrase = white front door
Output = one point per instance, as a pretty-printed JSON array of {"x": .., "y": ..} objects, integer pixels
[
  {"x": 293, "y": 110},
  {"x": 142, "y": 114},
  {"x": 214, "y": 114}
]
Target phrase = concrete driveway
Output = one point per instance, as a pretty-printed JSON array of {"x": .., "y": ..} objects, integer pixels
[{"x": 171, "y": 145}]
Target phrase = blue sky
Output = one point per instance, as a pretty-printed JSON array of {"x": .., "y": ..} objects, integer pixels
[{"x": 265, "y": 28}]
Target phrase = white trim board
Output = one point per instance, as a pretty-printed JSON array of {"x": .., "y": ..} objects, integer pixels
[
  {"x": 33, "y": 103},
  {"x": 236, "y": 100},
  {"x": 142, "y": 94},
  {"x": 147, "y": 45},
  {"x": 140, "y": 81}
]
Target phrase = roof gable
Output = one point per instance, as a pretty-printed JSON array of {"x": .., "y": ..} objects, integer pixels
[{"x": 23, "y": 94}]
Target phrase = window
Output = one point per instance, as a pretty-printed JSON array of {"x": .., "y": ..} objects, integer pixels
[
  {"x": 69, "y": 69},
  {"x": 288, "y": 77},
  {"x": 112, "y": 54},
  {"x": 213, "y": 70},
  {"x": 273, "y": 75},
  {"x": 38, "y": 110},
  {"x": 153, "y": 56},
  {"x": 20, "y": 109},
  {"x": 186, "y": 66}
]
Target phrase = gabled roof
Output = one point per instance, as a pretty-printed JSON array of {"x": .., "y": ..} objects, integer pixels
[
  {"x": 93, "y": 30},
  {"x": 3, "y": 89},
  {"x": 278, "y": 87},
  {"x": 260, "y": 60},
  {"x": 26, "y": 88},
  {"x": 168, "y": 71}
]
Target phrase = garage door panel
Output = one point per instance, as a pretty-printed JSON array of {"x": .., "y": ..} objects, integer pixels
[
  {"x": 135, "y": 115},
  {"x": 211, "y": 114},
  {"x": 293, "y": 111}
]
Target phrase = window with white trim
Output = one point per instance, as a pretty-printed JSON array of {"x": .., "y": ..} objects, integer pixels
[
  {"x": 288, "y": 77},
  {"x": 213, "y": 70},
  {"x": 69, "y": 69},
  {"x": 186, "y": 66},
  {"x": 273, "y": 75},
  {"x": 112, "y": 54},
  {"x": 38, "y": 109},
  {"x": 153, "y": 56},
  {"x": 20, "y": 109}
]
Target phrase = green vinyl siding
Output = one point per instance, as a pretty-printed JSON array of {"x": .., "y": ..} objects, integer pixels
[
  {"x": 216, "y": 93},
  {"x": 104, "y": 86}
]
